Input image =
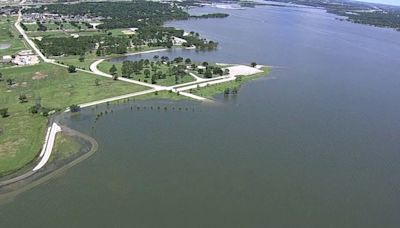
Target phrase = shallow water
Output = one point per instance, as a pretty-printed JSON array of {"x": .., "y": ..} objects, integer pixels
[{"x": 316, "y": 144}]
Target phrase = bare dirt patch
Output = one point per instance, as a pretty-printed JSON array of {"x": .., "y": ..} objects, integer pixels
[{"x": 38, "y": 76}]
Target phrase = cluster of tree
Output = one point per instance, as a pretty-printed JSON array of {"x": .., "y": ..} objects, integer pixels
[
  {"x": 113, "y": 45},
  {"x": 211, "y": 71},
  {"x": 233, "y": 91},
  {"x": 199, "y": 43},
  {"x": 57, "y": 46},
  {"x": 130, "y": 67},
  {"x": 158, "y": 36},
  {"x": 152, "y": 69},
  {"x": 23, "y": 26},
  {"x": 39, "y": 109},
  {"x": 210, "y": 15},
  {"x": 119, "y": 14}
]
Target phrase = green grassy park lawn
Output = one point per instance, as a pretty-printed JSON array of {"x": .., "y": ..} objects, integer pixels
[
  {"x": 32, "y": 27},
  {"x": 22, "y": 133},
  {"x": 64, "y": 147},
  {"x": 61, "y": 33},
  {"x": 168, "y": 81},
  {"x": 9, "y": 35},
  {"x": 74, "y": 60}
]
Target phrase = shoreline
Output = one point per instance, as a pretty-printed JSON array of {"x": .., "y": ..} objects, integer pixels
[{"x": 180, "y": 89}]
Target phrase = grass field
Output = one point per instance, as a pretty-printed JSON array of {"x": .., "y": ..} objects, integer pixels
[
  {"x": 168, "y": 81},
  {"x": 10, "y": 36},
  {"x": 52, "y": 26},
  {"x": 64, "y": 147},
  {"x": 74, "y": 60},
  {"x": 22, "y": 133}
]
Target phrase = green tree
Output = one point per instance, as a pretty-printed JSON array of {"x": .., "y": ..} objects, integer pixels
[
  {"x": 71, "y": 69},
  {"x": 146, "y": 73},
  {"x": 253, "y": 64},
  {"x": 113, "y": 69},
  {"x": 74, "y": 108},
  {"x": 81, "y": 58},
  {"x": 23, "y": 98},
  {"x": 188, "y": 61},
  {"x": 208, "y": 74},
  {"x": 9, "y": 81},
  {"x": 4, "y": 112},
  {"x": 154, "y": 79},
  {"x": 34, "y": 109},
  {"x": 227, "y": 91}
]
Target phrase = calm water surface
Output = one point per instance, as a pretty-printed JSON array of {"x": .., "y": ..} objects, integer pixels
[{"x": 316, "y": 144}]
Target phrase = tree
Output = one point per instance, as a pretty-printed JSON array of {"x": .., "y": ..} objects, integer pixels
[
  {"x": 74, "y": 108},
  {"x": 200, "y": 71},
  {"x": 4, "y": 112},
  {"x": 154, "y": 79},
  {"x": 253, "y": 64},
  {"x": 156, "y": 57},
  {"x": 9, "y": 81},
  {"x": 208, "y": 74},
  {"x": 226, "y": 71},
  {"x": 22, "y": 98},
  {"x": 71, "y": 69},
  {"x": 113, "y": 69},
  {"x": 188, "y": 61},
  {"x": 227, "y": 91},
  {"x": 97, "y": 82},
  {"x": 205, "y": 64},
  {"x": 81, "y": 58},
  {"x": 234, "y": 90},
  {"x": 34, "y": 109},
  {"x": 146, "y": 73},
  {"x": 1, "y": 77}
]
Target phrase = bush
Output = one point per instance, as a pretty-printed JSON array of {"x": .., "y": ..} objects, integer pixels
[
  {"x": 71, "y": 69},
  {"x": 74, "y": 108},
  {"x": 4, "y": 112}
]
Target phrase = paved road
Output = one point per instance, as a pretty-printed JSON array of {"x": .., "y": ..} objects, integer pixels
[
  {"x": 48, "y": 146},
  {"x": 116, "y": 98}
]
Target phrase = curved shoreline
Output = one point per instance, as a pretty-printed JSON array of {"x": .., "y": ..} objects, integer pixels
[
  {"x": 14, "y": 186},
  {"x": 51, "y": 132}
]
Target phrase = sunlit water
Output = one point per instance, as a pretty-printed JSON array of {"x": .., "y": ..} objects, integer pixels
[{"x": 315, "y": 144}]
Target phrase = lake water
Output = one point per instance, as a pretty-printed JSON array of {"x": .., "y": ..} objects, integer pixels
[{"x": 315, "y": 144}]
